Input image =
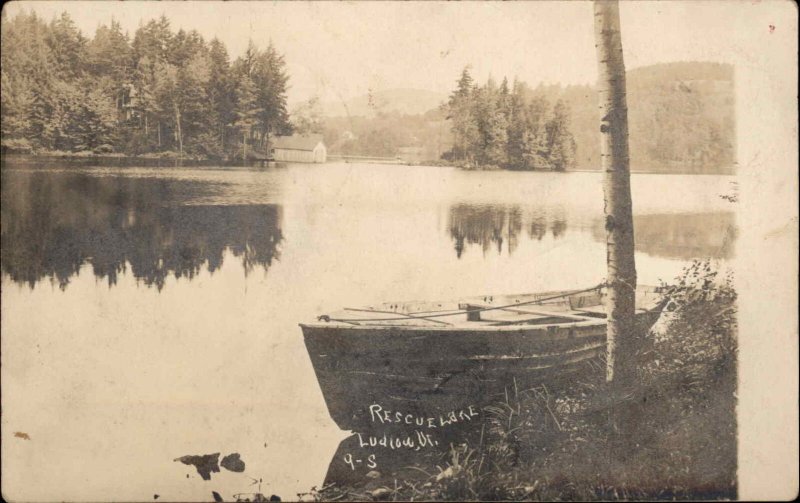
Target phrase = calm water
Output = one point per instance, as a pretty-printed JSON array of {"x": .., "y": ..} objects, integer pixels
[{"x": 150, "y": 313}]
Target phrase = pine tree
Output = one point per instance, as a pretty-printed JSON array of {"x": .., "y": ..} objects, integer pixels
[
  {"x": 197, "y": 123},
  {"x": 246, "y": 107},
  {"x": 460, "y": 110},
  {"x": 153, "y": 40},
  {"x": 220, "y": 90},
  {"x": 516, "y": 126},
  {"x": 560, "y": 142},
  {"x": 492, "y": 126},
  {"x": 167, "y": 105},
  {"x": 144, "y": 86},
  {"x": 537, "y": 151},
  {"x": 271, "y": 80},
  {"x": 17, "y": 99},
  {"x": 26, "y": 63},
  {"x": 68, "y": 47},
  {"x": 109, "y": 54},
  {"x": 97, "y": 121}
]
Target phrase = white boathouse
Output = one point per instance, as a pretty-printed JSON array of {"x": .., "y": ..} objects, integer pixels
[{"x": 299, "y": 148}]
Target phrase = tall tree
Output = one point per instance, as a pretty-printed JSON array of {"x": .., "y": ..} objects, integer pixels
[
  {"x": 492, "y": 125},
  {"x": 220, "y": 90},
  {"x": 68, "y": 47},
  {"x": 246, "y": 109},
  {"x": 617, "y": 188},
  {"x": 197, "y": 119},
  {"x": 536, "y": 150},
  {"x": 153, "y": 39},
  {"x": 168, "y": 103},
  {"x": 461, "y": 111},
  {"x": 271, "y": 80},
  {"x": 560, "y": 142},
  {"x": 110, "y": 54}
]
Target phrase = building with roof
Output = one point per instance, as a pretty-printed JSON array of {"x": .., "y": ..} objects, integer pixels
[{"x": 299, "y": 148}]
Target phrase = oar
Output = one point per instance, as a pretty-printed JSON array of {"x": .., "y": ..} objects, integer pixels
[{"x": 401, "y": 314}]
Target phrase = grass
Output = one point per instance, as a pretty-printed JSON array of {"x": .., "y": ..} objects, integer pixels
[{"x": 668, "y": 434}]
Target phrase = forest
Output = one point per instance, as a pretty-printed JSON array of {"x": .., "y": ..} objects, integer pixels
[
  {"x": 681, "y": 119},
  {"x": 159, "y": 92},
  {"x": 498, "y": 127},
  {"x": 162, "y": 92}
]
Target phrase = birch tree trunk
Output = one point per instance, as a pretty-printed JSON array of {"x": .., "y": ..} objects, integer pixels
[
  {"x": 616, "y": 187},
  {"x": 178, "y": 132}
]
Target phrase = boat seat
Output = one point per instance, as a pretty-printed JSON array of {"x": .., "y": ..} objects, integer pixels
[{"x": 521, "y": 314}]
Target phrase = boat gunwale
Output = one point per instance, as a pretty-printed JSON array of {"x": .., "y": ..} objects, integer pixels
[
  {"x": 467, "y": 326},
  {"x": 463, "y": 328}
]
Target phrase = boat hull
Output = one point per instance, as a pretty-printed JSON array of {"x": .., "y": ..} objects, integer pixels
[{"x": 436, "y": 370}]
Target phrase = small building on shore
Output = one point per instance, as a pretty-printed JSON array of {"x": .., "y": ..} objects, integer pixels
[{"x": 299, "y": 148}]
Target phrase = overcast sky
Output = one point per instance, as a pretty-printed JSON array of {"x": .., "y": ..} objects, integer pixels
[{"x": 340, "y": 50}]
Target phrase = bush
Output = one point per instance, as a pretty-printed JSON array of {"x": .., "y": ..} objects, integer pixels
[
  {"x": 135, "y": 142},
  {"x": 698, "y": 337},
  {"x": 105, "y": 148},
  {"x": 16, "y": 146},
  {"x": 206, "y": 146}
]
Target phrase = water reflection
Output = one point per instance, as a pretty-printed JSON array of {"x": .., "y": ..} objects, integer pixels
[
  {"x": 681, "y": 236},
  {"x": 492, "y": 225},
  {"x": 54, "y": 223},
  {"x": 677, "y": 236}
]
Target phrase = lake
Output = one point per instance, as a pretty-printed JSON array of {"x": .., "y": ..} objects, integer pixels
[{"x": 152, "y": 312}]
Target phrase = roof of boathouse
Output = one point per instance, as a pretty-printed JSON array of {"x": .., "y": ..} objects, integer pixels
[{"x": 297, "y": 142}]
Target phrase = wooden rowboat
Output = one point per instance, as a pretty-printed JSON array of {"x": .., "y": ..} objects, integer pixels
[{"x": 424, "y": 357}]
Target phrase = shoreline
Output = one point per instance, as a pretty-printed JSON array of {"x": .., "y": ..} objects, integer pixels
[
  {"x": 171, "y": 160},
  {"x": 126, "y": 160}
]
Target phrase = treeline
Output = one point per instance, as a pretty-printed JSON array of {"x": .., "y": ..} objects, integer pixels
[
  {"x": 494, "y": 126},
  {"x": 160, "y": 91}
]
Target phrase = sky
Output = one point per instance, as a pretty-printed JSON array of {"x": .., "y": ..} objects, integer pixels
[{"x": 340, "y": 50}]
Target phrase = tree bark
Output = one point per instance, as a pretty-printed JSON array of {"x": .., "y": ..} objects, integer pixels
[
  {"x": 621, "y": 278},
  {"x": 178, "y": 132}
]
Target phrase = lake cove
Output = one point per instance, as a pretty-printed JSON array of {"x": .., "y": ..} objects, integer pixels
[
  {"x": 164, "y": 243},
  {"x": 378, "y": 414}
]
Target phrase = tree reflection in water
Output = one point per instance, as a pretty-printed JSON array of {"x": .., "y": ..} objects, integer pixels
[
  {"x": 492, "y": 225},
  {"x": 54, "y": 223},
  {"x": 675, "y": 236}
]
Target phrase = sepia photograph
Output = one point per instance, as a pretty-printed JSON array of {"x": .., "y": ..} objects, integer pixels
[{"x": 399, "y": 251}]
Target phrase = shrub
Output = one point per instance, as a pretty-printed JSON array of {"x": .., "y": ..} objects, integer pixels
[
  {"x": 16, "y": 146},
  {"x": 698, "y": 339},
  {"x": 105, "y": 148}
]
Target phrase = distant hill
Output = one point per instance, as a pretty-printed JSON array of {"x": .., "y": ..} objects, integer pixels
[
  {"x": 401, "y": 101},
  {"x": 681, "y": 118}
]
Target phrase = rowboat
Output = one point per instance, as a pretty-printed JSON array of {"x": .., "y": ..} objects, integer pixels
[{"x": 428, "y": 358}]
